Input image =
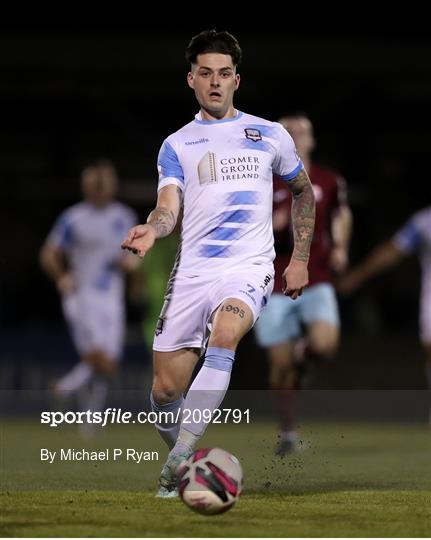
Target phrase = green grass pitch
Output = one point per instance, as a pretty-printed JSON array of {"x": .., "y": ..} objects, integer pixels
[{"x": 351, "y": 479}]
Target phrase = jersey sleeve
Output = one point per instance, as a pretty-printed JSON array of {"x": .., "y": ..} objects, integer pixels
[
  {"x": 169, "y": 167},
  {"x": 62, "y": 234},
  {"x": 287, "y": 164},
  {"x": 409, "y": 237}
]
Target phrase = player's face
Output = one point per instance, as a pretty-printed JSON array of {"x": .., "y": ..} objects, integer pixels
[
  {"x": 214, "y": 80},
  {"x": 301, "y": 131},
  {"x": 99, "y": 184}
]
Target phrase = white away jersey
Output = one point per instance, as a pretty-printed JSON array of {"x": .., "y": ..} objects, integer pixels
[
  {"x": 416, "y": 236},
  {"x": 224, "y": 169},
  {"x": 90, "y": 237}
]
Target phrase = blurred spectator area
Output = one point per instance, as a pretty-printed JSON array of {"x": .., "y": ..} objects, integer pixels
[{"x": 67, "y": 97}]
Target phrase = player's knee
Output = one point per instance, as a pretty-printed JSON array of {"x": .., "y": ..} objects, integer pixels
[
  {"x": 280, "y": 362},
  {"x": 224, "y": 337},
  {"x": 101, "y": 363},
  {"x": 323, "y": 340},
  {"x": 164, "y": 392},
  {"x": 280, "y": 376},
  {"x": 326, "y": 348},
  {"x": 108, "y": 368}
]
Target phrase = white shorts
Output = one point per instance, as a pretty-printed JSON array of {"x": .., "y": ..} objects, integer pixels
[
  {"x": 190, "y": 301},
  {"x": 96, "y": 321}
]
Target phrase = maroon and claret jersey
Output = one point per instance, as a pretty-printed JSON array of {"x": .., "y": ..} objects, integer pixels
[{"x": 330, "y": 193}]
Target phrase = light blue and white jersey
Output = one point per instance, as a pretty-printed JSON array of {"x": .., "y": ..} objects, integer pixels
[
  {"x": 90, "y": 238},
  {"x": 224, "y": 169},
  {"x": 416, "y": 236}
]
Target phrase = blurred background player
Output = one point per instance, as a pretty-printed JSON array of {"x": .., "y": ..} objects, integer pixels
[
  {"x": 414, "y": 236},
  {"x": 282, "y": 324},
  {"x": 82, "y": 257}
]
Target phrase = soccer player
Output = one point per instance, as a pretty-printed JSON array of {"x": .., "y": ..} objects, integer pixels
[
  {"x": 82, "y": 257},
  {"x": 413, "y": 237},
  {"x": 219, "y": 168},
  {"x": 315, "y": 315}
]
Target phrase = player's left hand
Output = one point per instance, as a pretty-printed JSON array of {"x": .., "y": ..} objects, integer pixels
[
  {"x": 295, "y": 278},
  {"x": 140, "y": 239}
]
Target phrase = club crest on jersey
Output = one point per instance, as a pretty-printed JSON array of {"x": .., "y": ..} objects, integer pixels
[{"x": 253, "y": 134}]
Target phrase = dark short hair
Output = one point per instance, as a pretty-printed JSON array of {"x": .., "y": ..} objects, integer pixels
[{"x": 211, "y": 41}]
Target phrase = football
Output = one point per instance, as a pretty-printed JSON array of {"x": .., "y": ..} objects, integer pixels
[{"x": 210, "y": 481}]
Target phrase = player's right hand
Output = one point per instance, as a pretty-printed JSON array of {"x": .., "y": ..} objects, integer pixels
[
  {"x": 295, "y": 278},
  {"x": 140, "y": 239}
]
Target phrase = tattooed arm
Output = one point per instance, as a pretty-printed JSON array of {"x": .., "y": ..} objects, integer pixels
[
  {"x": 161, "y": 222},
  {"x": 302, "y": 215},
  {"x": 295, "y": 276},
  {"x": 164, "y": 217}
]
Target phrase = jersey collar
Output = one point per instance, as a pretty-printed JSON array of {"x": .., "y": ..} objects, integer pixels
[{"x": 199, "y": 120}]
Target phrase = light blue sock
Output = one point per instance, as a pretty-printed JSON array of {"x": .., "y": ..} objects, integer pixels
[
  {"x": 168, "y": 430},
  {"x": 205, "y": 394}
]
